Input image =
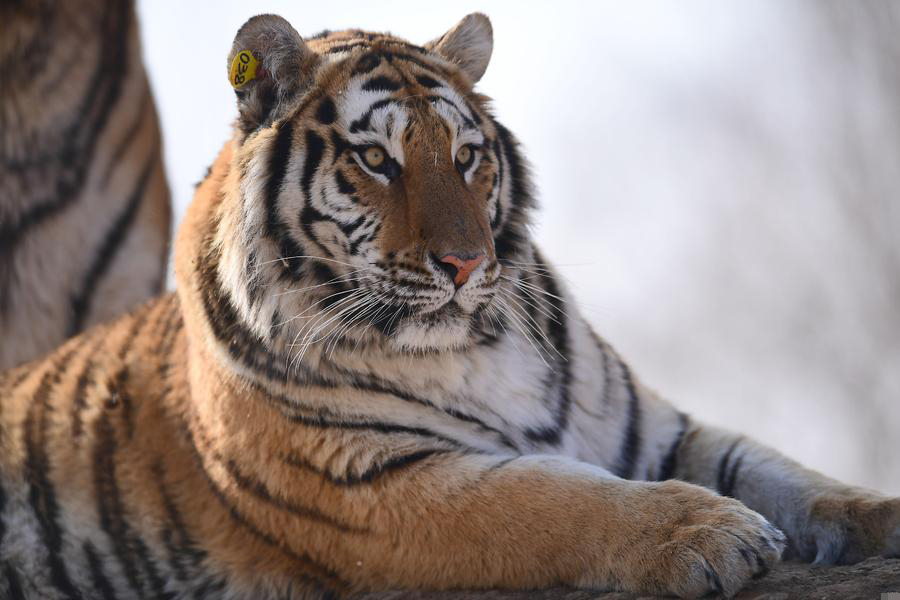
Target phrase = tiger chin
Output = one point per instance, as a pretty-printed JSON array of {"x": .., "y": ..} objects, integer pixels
[{"x": 370, "y": 379}]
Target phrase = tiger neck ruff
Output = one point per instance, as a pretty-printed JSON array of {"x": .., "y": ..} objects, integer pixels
[{"x": 370, "y": 379}]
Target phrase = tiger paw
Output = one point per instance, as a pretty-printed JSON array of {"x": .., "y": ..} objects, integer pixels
[
  {"x": 705, "y": 544},
  {"x": 846, "y": 525}
]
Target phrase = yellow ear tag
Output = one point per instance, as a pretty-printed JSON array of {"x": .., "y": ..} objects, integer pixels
[{"x": 243, "y": 69}]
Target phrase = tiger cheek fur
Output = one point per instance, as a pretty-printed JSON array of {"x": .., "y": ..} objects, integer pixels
[{"x": 271, "y": 431}]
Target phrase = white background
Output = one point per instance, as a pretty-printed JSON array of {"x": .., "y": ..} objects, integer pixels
[{"x": 718, "y": 182}]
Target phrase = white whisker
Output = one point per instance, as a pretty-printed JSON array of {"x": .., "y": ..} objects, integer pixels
[{"x": 284, "y": 258}]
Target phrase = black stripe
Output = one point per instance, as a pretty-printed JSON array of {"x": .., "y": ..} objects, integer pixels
[
  {"x": 276, "y": 228},
  {"x": 723, "y": 482},
  {"x": 366, "y": 63},
  {"x": 13, "y": 583},
  {"x": 115, "y": 237},
  {"x": 429, "y": 82},
  {"x": 326, "y": 113},
  {"x": 365, "y": 237},
  {"x": 348, "y": 47},
  {"x": 712, "y": 578},
  {"x": 24, "y": 373},
  {"x": 495, "y": 191},
  {"x": 110, "y": 506},
  {"x": 559, "y": 379},
  {"x": 364, "y": 122},
  {"x": 309, "y": 217},
  {"x": 315, "y": 149},
  {"x": 172, "y": 325},
  {"x": 731, "y": 480},
  {"x": 475, "y": 116},
  {"x": 631, "y": 443},
  {"x": 79, "y": 400},
  {"x": 41, "y": 491},
  {"x": 344, "y": 186},
  {"x": 421, "y": 63},
  {"x": 130, "y": 550},
  {"x": 322, "y": 419},
  {"x": 607, "y": 372},
  {"x": 380, "y": 386},
  {"x": 498, "y": 217},
  {"x": 669, "y": 462},
  {"x": 257, "y": 488},
  {"x": 350, "y": 228},
  {"x": 227, "y": 326},
  {"x": 120, "y": 396},
  {"x": 73, "y": 160},
  {"x": 180, "y": 545},
  {"x": 321, "y": 571},
  {"x": 339, "y": 146},
  {"x": 382, "y": 83},
  {"x": 513, "y": 235},
  {"x": 372, "y": 473},
  {"x": 382, "y": 41},
  {"x": 98, "y": 578},
  {"x": 466, "y": 118}
]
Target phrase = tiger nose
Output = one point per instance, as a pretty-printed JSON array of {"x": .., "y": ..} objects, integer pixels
[{"x": 458, "y": 268}]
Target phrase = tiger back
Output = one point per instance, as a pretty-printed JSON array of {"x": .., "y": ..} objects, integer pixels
[{"x": 84, "y": 204}]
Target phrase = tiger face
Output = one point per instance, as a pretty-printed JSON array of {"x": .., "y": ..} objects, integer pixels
[{"x": 375, "y": 189}]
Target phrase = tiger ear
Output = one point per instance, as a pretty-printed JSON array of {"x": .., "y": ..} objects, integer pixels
[
  {"x": 468, "y": 44},
  {"x": 269, "y": 66}
]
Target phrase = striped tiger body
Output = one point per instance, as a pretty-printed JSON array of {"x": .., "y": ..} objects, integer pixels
[
  {"x": 370, "y": 379},
  {"x": 84, "y": 205}
]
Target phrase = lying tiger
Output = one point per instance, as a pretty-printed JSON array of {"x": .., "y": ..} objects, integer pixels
[{"x": 370, "y": 379}]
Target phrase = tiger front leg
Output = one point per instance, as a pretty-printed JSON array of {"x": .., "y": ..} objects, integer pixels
[
  {"x": 827, "y": 522},
  {"x": 463, "y": 521}
]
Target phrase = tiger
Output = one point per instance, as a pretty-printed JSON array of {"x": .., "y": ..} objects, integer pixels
[
  {"x": 84, "y": 203},
  {"x": 369, "y": 378}
]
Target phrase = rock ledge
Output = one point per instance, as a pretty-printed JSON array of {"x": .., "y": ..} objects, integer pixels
[{"x": 863, "y": 581}]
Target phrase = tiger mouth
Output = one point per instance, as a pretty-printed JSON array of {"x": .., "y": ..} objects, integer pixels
[
  {"x": 444, "y": 312},
  {"x": 405, "y": 314}
]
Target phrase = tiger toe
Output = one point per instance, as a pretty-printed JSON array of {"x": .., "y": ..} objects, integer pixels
[
  {"x": 712, "y": 545},
  {"x": 848, "y": 525}
]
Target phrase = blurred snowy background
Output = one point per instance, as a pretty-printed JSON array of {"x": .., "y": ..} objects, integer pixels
[{"x": 720, "y": 183}]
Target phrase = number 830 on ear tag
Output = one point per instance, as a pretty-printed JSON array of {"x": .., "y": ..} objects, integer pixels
[{"x": 243, "y": 69}]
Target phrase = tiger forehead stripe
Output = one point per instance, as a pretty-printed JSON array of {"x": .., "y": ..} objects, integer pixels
[{"x": 371, "y": 102}]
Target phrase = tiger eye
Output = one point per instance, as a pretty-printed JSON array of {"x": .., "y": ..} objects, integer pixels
[
  {"x": 374, "y": 157},
  {"x": 463, "y": 155}
]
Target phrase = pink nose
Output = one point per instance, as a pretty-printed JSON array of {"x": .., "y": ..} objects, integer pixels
[{"x": 460, "y": 269}]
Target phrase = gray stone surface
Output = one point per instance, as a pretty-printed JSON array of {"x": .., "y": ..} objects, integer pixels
[{"x": 864, "y": 581}]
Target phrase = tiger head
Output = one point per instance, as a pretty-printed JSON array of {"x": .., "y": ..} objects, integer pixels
[{"x": 371, "y": 195}]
